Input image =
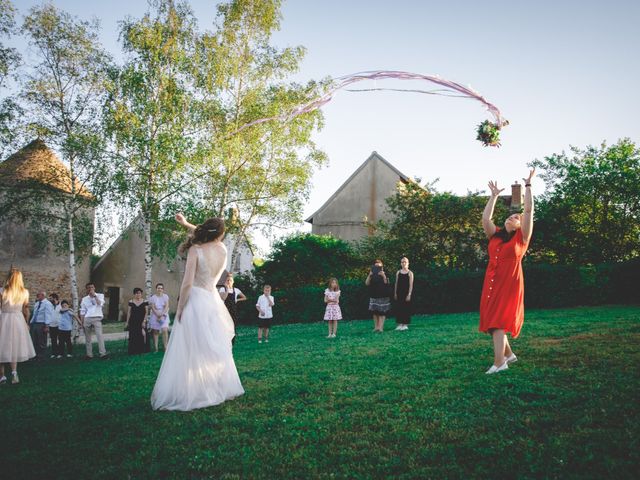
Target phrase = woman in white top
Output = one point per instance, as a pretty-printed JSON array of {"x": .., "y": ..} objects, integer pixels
[
  {"x": 198, "y": 368},
  {"x": 159, "y": 316}
]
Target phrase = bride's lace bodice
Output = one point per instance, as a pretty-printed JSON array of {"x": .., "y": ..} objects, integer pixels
[
  {"x": 205, "y": 264},
  {"x": 212, "y": 258}
]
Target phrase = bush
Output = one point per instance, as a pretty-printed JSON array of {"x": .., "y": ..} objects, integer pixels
[
  {"x": 308, "y": 259},
  {"x": 443, "y": 290}
]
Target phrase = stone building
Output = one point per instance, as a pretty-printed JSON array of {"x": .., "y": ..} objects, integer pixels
[
  {"x": 121, "y": 269},
  {"x": 33, "y": 182},
  {"x": 361, "y": 199}
]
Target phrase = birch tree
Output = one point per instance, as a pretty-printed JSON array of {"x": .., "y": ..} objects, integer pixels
[
  {"x": 148, "y": 113},
  {"x": 9, "y": 62},
  {"x": 63, "y": 93},
  {"x": 261, "y": 174}
]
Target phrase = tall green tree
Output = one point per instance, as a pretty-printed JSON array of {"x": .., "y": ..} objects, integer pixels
[
  {"x": 261, "y": 174},
  {"x": 63, "y": 94},
  {"x": 10, "y": 111},
  {"x": 149, "y": 114},
  {"x": 431, "y": 228},
  {"x": 590, "y": 211}
]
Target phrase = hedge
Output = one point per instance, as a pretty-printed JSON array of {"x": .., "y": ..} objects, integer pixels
[{"x": 441, "y": 290}]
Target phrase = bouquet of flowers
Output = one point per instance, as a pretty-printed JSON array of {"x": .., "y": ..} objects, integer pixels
[{"x": 489, "y": 133}]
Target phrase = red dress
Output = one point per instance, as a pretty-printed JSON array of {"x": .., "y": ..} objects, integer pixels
[{"x": 502, "y": 301}]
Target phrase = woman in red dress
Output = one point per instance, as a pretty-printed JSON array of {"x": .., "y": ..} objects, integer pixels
[{"x": 502, "y": 301}]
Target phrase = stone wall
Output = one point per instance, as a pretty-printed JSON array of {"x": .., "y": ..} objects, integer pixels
[{"x": 44, "y": 265}]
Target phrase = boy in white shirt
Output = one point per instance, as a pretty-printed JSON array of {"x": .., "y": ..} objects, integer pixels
[{"x": 265, "y": 313}]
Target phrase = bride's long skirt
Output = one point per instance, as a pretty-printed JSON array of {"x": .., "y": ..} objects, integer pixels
[{"x": 198, "y": 368}]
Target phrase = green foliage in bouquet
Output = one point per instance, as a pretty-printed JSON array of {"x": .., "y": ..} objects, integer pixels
[{"x": 489, "y": 134}]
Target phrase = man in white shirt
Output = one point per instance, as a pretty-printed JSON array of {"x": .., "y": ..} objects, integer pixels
[
  {"x": 91, "y": 317},
  {"x": 39, "y": 323}
]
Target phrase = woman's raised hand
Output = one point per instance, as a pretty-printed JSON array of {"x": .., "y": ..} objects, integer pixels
[
  {"x": 532, "y": 173},
  {"x": 493, "y": 186},
  {"x": 180, "y": 219}
]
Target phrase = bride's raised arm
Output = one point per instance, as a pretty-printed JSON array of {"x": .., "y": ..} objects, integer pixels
[
  {"x": 187, "y": 280},
  {"x": 183, "y": 221}
]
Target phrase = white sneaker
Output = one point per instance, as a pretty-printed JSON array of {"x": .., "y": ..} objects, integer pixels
[
  {"x": 512, "y": 358},
  {"x": 69, "y": 355},
  {"x": 329, "y": 336},
  {"x": 52, "y": 356},
  {"x": 259, "y": 341},
  {"x": 495, "y": 369},
  {"x": 266, "y": 341},
  {"x": 399, "y": 327}
]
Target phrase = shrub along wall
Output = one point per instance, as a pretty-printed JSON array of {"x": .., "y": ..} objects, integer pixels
[{"x": 447, "y": 291}]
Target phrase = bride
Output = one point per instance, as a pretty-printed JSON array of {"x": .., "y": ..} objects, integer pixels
[{"x": 198, "y": 368}]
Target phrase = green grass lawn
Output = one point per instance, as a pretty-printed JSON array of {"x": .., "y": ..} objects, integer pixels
[{"x": 412, "y": 404}]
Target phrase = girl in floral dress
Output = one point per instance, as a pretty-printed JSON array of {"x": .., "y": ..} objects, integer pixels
[{"x": 332, "y": 313}]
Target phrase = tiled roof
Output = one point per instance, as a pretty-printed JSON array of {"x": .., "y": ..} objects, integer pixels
[{"x": 38, "y": 164}]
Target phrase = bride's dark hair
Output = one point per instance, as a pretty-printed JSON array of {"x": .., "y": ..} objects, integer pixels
[{"x": 208, "y": 231}]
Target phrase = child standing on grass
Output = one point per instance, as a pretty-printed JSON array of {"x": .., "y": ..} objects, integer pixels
[
  {"x": 265, "y": 313},
  {"x": 64, "y": 328},
  {"x": 332, "y": 313}
]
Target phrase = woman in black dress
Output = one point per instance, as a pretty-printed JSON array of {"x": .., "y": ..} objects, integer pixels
[
  {"x": 379, "y": 302},
  {"x": 231, "y": 296},
  {"x": 137, "y": 323},
  {"x": 402, "y": 294}
]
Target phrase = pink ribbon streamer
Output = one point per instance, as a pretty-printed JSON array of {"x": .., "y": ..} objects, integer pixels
[{"x": 342, "y": 82}]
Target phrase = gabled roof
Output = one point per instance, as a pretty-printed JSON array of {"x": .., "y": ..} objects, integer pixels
[
  {"x": 36, "y": 163},
  {"x": 117, "y": 241},
  {"x": 375, "y": 156}
]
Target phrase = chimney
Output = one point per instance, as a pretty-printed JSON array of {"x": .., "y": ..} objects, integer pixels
[{"x": 516, "y": 197}]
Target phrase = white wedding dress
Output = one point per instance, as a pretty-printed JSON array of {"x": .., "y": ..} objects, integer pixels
[{"x": 198, "y": 368}]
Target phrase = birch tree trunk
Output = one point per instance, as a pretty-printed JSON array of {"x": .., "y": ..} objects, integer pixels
[
  {"x": 234, "y": 251},
  {"x": 72, "y": 265},
  {"x": 148, "y": 269}
]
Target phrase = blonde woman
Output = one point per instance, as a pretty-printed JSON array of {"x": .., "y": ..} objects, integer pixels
[
  {"x": 403, "y": 289},
  {"x": 15, "y": 340}
]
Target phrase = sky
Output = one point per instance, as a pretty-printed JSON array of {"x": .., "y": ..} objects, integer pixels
[{"x": 563, "y": 73}]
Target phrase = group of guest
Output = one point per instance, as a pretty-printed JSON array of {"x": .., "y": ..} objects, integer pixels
[
  {"x": 147, "y": 320},
  {"x": 60, "y": 327},
  {"x": 50, "y": 319},
  {"x": 24, "y": 333},
  {"x": 381, "y": 292}
]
